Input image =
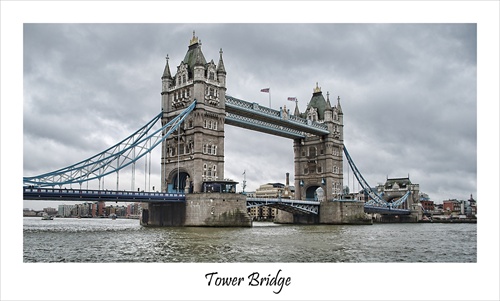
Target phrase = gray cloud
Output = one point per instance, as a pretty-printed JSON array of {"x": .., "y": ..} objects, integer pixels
[{"x": 408, "y": 92}]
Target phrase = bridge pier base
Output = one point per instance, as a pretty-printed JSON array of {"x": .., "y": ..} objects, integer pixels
[
  {"x": 343, "y": 212},
  {"x": 397, "y": 218},
  {"x": 217, "y": 210},
  {"x": 337, "y": 212},
  {"x": 283, "y": 217},
  {"x": 163, "y": 214},
  {"x": 200, "y": 209}
]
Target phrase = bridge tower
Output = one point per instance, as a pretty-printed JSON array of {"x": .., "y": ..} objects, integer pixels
[
  {"x": 195, "y": 153},
  {"x": 319, "y": 159}
]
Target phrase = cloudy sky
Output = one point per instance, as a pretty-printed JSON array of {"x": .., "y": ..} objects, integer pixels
[
  {"x": 408, "y": 93},
  {"x": 411, "y": 78}
]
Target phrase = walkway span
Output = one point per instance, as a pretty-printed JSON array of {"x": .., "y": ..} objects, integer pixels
[
  {"x": 255, "y": 117},
  {"x": 89, "y": 195}
]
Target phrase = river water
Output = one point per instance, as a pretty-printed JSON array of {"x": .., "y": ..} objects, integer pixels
[{"x": 124, "y": 240}]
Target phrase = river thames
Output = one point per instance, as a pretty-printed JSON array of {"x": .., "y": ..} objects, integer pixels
[{"x": 125, "y": 240}]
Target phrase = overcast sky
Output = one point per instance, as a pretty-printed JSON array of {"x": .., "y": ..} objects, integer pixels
[{"x": 408, "y": 93}]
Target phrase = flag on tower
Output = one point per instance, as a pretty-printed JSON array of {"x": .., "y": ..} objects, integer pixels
[
  {"x": 292, "y": 98},
  {"x": 265, "y": 90}
]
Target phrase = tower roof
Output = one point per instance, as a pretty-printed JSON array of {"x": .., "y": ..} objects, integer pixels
[
  {"x": 166, "y": 72},
  {"x": 220, "y": 65},
  {"x": 194, "y": 55},
  {"x": 318, "y": 101}
]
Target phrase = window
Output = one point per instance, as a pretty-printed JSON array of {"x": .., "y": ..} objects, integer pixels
[{"x": 312, "y": 151}]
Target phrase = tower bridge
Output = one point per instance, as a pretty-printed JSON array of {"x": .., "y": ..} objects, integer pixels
[{"x": 194, "y": 112}]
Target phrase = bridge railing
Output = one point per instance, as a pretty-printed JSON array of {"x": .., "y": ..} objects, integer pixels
[
  {"x": 41, "y": 193},
  {"x": 274, "y": 113}
]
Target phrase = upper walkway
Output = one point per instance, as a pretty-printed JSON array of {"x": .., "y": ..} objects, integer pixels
[{"x": 255, "y": 117}]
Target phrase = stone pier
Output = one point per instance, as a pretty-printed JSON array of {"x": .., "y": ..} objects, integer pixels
[
  {"x": 200, "y": 209},
  {"x": 336, "y": 212}
]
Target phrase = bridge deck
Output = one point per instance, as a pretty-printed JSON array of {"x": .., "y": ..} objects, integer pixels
[
  {"x": 55, "y": 194},
  {"x": 294, "y": 206}
]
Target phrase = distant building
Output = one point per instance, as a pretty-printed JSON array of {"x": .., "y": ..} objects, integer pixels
[
  {"x": 473, "y": 206},
  {"x": 50, "y": 211},
  {"x": 269, "y": 190},
  {"x": 64, "y": 210},
  {"x": 452, "y": 207},
  {"x": 460, "y": 207},
  {"x": 425, "y": 201}
]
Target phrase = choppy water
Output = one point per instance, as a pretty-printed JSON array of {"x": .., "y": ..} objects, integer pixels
[{"x": 123, "y": 240}]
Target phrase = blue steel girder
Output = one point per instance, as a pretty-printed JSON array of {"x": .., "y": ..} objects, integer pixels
[
  {"x": 262, "y": 126},
  {"x": 242, "y": 113},
  {"x": 58, "y": 194},
  {"x": 293, "y": 206},
  {"x": 114, "y": 158}
]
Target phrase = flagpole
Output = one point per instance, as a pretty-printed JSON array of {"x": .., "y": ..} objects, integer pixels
[{"x": 269, "y": 98}]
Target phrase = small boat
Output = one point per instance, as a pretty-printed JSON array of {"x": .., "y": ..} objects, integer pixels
[
  {"x": 47, "y": 217},
  {"x": 113, "y": 216}
]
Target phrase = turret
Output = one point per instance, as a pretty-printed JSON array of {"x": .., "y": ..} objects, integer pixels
[
  {"x": 328, "y": 109},
  {"x": 166, "y": 78},
  {"x": 221, "y": 71}
]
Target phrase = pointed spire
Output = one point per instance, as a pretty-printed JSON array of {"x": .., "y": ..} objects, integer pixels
[
  {"x": 194, "y": 40},
  {"x": 220, "y": 65},
  {"x": 166, "y": 72},
  {"x": 328, "y": 104},
  {"x": 317, "y": 89},
  {"x": 296, "y": 112},
  {"x": 339, "y": 108}
]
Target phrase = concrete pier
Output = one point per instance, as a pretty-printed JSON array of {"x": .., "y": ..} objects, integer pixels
[
  {"x": 200, "y": 209},
  {"x": 350, "y": 212},
  {"x": 217, "y": 210},
  {"x": 337, "y": 212}
]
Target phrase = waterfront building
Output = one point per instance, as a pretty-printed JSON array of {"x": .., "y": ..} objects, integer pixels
[
  {"x": 64, "y": 210},
  {"x": 101, "y": 208},
  {"x": 426, "y": 203},
  {"x": 28, "y": 212},
  {"x": 269, "y": 190},
  {"x": 452, "y": 206},
  {"x": 50, "y": 210},
  {"x": 473, "y": 206}
]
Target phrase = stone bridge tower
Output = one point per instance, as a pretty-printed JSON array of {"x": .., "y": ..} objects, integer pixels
[
  {"x": 319, "y": 159},
  {"x": 195, "y": 153}
]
